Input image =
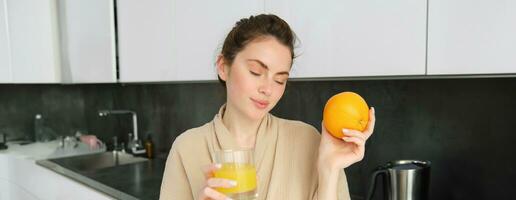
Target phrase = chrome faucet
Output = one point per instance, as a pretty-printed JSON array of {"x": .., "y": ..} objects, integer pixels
[{"x": 134, "y": 145}]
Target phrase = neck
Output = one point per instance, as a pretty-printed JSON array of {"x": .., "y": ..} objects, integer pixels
[{"x": 241, "y": 127}]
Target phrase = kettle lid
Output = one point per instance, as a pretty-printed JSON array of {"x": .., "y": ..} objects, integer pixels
[{"x": 408, "y": 165}]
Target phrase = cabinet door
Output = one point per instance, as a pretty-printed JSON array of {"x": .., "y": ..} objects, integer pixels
[
  {"x": 34, "y": 43},
  {"x": 145, "y": 40},
  {"x": 27, "y": 180},
  {"x": 201, "y": 27},
  {"x": 472, "y": 37},
  {"x": 87, "y": 41},
  {"x": 5, "y": 58},
  {"x": 165, "y": 40},
  {"x": 343, "y": 38}
]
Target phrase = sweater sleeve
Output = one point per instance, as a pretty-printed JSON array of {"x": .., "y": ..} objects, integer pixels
[{"x": 175, "y": 183}]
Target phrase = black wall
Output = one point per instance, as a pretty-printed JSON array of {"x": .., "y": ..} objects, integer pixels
[{"x": 465, "y": 127}]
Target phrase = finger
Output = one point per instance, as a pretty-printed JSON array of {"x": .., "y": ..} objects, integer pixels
[
  {"x": 360, "y": 152},
  {"x": 324, "y": 131},
  {"x": 358, "y": 141},
  {"x": 323, "y": 128},
  {"x": 354, "y": 133},
  {"x": 213, "y": 194},
  {"x": 220, "y": 182},
  {"x": 370, "y": 125},
  {"x": 209, "y": 169}
]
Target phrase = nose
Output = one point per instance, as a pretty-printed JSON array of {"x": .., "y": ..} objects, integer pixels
[{"x": 265, "y": 87}]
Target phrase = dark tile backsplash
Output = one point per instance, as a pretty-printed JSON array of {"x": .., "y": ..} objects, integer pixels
[{"x": 465, "y": 127}]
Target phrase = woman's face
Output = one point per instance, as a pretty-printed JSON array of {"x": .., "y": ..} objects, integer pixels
[{"x": 257, "y": 77}]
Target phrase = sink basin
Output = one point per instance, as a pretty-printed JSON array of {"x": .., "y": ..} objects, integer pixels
[
  {"x": 80, "y": 149},
  {"x": 97, "y": 161}
]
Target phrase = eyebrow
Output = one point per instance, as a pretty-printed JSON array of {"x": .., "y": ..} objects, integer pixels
[{"x": 266, "y": 67}]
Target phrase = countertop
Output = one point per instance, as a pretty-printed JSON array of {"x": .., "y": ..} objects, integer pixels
[
  {"x": 141, "y": 180},
  {"x": 46, "y": 150}
]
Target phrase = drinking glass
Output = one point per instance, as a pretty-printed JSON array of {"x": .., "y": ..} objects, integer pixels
[{"x": 237, "y": 165}]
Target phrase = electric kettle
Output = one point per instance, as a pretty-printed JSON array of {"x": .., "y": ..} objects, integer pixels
[{"x": 403, "y": 180}]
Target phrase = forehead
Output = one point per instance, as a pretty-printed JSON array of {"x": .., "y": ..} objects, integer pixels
[{"x": 269, "y": 51}]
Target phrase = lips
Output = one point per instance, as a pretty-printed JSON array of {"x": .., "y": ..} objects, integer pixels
[{"x": 260, "y": 103}]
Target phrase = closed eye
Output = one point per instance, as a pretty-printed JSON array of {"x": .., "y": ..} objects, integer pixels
[{"x": 254, "y": 73}]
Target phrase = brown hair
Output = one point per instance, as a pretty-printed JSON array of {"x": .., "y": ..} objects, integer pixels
[{"x": 254, "y": 27}]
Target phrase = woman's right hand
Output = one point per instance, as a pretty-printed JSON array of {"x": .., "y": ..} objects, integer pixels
[{"x": 208, "y": 192}]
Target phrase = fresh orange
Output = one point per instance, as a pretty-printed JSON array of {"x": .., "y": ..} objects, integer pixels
[{"x": 345, "y": 110}]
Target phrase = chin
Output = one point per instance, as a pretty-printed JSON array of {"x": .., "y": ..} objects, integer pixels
[{"x": 257, "y": 114}]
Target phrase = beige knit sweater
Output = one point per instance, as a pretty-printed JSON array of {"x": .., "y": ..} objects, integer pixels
[{"x": 285, "y": 157}]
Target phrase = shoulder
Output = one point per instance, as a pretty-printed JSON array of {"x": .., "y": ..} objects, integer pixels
[{"x": 299, "y": 129}]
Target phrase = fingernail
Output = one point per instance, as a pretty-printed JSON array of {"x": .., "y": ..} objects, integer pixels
[
  {"x": 233, "y": 183},
  {"x": 372, "y": 108},
  {"x": 345, "y": 138},
  {"x": 345, "y": 130},
  {"x": 218, "y": 165}
]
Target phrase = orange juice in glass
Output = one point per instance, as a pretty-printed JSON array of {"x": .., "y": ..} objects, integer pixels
[{"x": 237, "y": 165}]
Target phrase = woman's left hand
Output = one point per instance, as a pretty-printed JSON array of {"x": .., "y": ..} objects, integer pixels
[{"x": 336, "y": 154}]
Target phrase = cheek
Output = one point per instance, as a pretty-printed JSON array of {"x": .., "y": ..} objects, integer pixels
[
  {"x": 278, "y": 92},
  {"x": 241, "y": 84}
]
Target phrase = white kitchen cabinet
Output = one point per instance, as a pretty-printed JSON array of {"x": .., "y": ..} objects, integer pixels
[
  {"x": 22, "y": 178},
  {"x": 33, "y": 41},
  {"x": 347, "y": 38},
  {"x": 88, "y": 51},
  {"x": 472, "y": 37},
  {"x": 166, "y": 40},
  {"x": 5, "y": 58},
  {"x": 57, "y": 41},
  {"x": 201, "y": 27},
  {"x": 145, "y": 30}
]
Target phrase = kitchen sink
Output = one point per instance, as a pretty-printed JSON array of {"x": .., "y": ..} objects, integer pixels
[{"x": 97, "y": 161}]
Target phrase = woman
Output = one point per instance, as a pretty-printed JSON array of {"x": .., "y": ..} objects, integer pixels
[{"x": 293, "y": 160}]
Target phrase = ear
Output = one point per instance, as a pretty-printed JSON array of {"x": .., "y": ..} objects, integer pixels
[{"x": 222, "y": 70}]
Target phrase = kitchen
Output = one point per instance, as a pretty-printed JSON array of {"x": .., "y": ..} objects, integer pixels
[{"x": 440, "y": 75}]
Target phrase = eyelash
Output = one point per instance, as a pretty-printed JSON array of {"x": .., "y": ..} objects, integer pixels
[{"x": 256, "y": 74}]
